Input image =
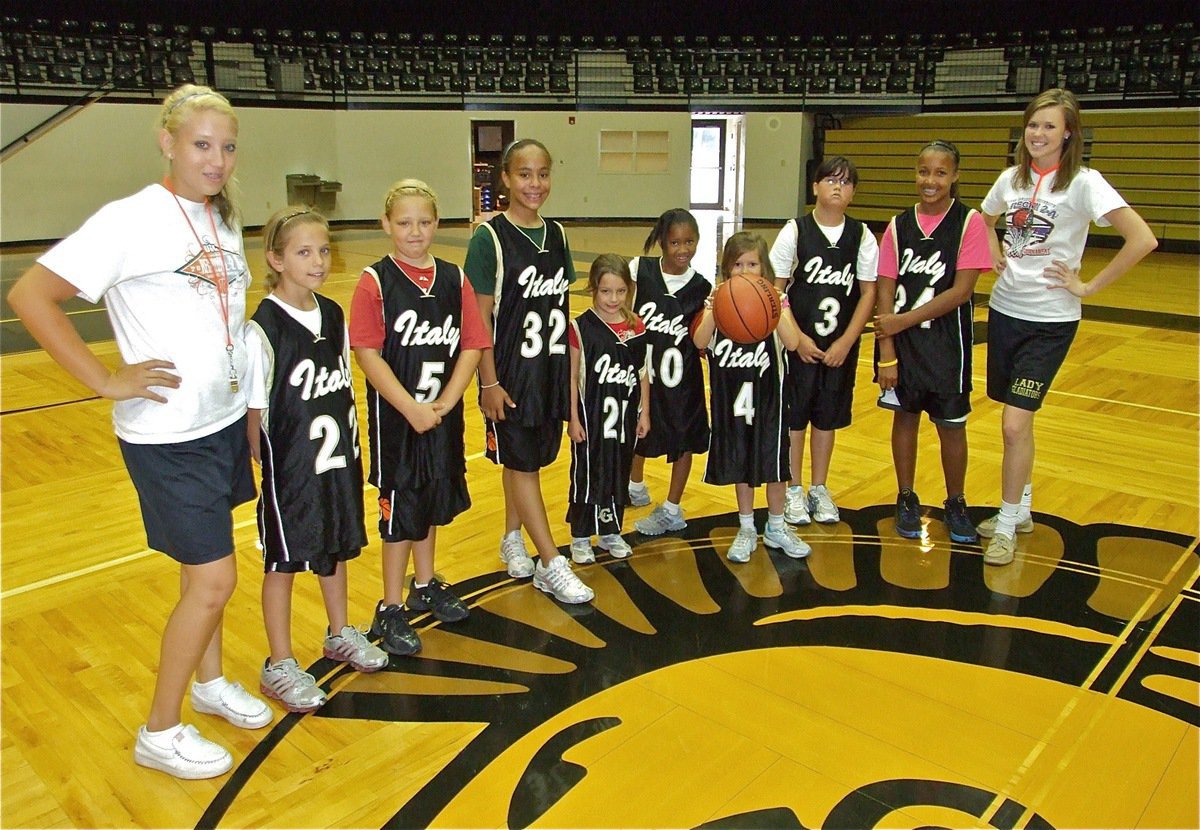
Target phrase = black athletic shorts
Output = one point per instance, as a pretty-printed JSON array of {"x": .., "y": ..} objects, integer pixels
[
  {"x": 947, "y": 410},
  {"x": 819, "y": 395},
  {"x": 521, "y": 448},
  {"x": 1023, "y": 356},
  {"x": 188, "y": 490},
  {"x": 409, "y": 515}
]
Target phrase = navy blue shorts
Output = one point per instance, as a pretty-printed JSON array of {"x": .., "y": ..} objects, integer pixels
[{"x": 188, "y": 490}]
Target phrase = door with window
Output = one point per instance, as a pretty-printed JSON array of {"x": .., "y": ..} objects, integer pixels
[{"x": 708, "y": 165}]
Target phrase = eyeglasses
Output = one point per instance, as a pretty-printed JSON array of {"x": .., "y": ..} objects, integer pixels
[{"x": 834, "y": 181}]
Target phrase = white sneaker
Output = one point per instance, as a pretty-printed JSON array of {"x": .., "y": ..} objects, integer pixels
[
  {"x": 235, "y": 704},
  {"x": 581, "y": 552},
  {"x": 786, "y": 540},
  {"x": 660, "y": 521},
  {"x": 616, "y": 545},
  {"x": 561, "y": 581},
  {"x": 743, "y": 545},
  {"x": 516, "y": 558},
  {"x": 821, "y": 506},
  {"x": 350, "y": 645},
  {"x": 639, "y": 496},
  {"x": 987, "y": 528},
  {"x": 187, "y": 755},
  {"x": 795, "y": 507},
  {"x": 295, "y": 688},
  {"x": 1001, "y": 550}
]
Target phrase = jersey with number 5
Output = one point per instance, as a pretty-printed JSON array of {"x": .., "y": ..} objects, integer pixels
[
  {"x": 529, "y": 322},
  {"x": 311, "y": 502},
  {"x": 423, "y": 330},
  {"x": 935, "y": 356}
]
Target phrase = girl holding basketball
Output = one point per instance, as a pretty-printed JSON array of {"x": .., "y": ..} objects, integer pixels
[
  {"x": 521, "y": 269},
  {"x": 749, "y": 438},
  {"x": 1047, "y": 200},
  {"x": 930, "y": 258},
  {"x": 168, "y": 261},
  {"x": 610, "y": 409},
  {"x": 304, "y": 432},
  {"x": 831, "y": 260},
  {"x": 670, "y": 294}
]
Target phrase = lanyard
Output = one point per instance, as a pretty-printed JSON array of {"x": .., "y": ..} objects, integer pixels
[
  {"x": 220, "y": 279},
  {"x": 1042, "y": 174}
]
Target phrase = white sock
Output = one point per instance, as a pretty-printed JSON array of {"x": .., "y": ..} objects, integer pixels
[
  {"x": 795, "y": 489},
  {"x": 774, "y": 521},
  {"x": 212, "y": 688},
  {"x": 637, "y": 485},
  {"x": 163, "y": 736},
  {"x": 1006, "y": 521},
  {"x": 1027, "y": 500},
  {"x": 746, "y": 520},
  {"x": 672, "y": 508},
  {"x": 420, "y": 584}
]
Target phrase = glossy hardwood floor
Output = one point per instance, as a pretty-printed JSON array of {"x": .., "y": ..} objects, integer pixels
[{"x": 880, "y": 683}]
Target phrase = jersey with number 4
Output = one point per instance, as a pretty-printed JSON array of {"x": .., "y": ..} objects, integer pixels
[
  {"x": 935, "y": 356},
  {"x": 421, "y": 345},
  {"x": 311, "y": 502},
  {"x": 529, "y": 322},
  {"x": 678, "y": 416},
  {"x": 610, "y": 369},
  {"x": 749, "y": 425}
]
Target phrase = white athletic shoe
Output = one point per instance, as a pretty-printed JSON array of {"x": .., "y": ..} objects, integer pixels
[
  {"x": 581, "y": 552},
  {"x": 639, "y": 496},
  {"x": 616, "y": 545},
  {"x": 1001, "y": 550},
  {"x": 515, "y": 556},
  {"x": 795, "y": 507},
  {"x": 987, "y": 528},
  {"x": 235, "y": 704},
  {"x": 185, "y": 755},
  {"x": 660, "y": 521},
  {"x": 295, "y": 688},
  {"x": 561, "y": 581},
  {"x": 743, "y": 545},
  {"x": 786, "y": 540},
  {"x": 821, "y": 506}
]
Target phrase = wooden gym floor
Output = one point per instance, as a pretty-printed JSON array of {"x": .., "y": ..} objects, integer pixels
[{"x": 880, "y": 683}]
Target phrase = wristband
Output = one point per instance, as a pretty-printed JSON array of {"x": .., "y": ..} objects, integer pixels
[
  {"x": 489, "y": 385},
  {"x": 887, "y": 364},
  {"x": 785, "y": 303}
]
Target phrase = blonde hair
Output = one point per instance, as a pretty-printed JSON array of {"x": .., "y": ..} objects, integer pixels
[
  {"x": 409, "y": 187},
  {"x": 278, "y": 230},
  {"x": 743, "y": 242},
  {"x": 177, "y": 108},
  {"x": 1072, "y": 151},
  {"x": 616, "y": 265}
]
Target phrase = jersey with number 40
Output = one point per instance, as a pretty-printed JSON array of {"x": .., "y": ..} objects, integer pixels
[{"x": 423, "y": 330}]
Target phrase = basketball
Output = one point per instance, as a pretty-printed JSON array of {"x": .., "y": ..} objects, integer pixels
[{"x": 746, "y": 308}]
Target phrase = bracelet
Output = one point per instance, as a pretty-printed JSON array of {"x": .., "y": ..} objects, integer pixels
[
  {"x": 887, "y": 364},
  {"x": 489, "y": 385},
  {"x": 785, "y": 302}
]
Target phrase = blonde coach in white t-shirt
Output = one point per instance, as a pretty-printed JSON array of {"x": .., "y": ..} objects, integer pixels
[
  {"x": 168, "y": 262},
  {"x": 1048, "y": 200}
]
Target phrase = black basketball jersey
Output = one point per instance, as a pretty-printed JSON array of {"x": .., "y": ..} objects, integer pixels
[
  {"x": 423, "y": 333},
  {"x": 609, "y": 398},
  {"x": 823, "y": 291},
  {"x": 529, "y": 322},
  {"x": 749, "y": 424},
  {"x": 312, "y": 479},
  {"x": 678, "y": 416},
  {"x": 935, "y": 356}
]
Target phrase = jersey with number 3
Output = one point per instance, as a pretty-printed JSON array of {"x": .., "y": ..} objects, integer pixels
[
  {"x": 423, "y": 329},
  {"x": 823, "y": 292},
  {"x": 529, "y": 322},
  {"x": 311, "y": 502},
  {"x": 679, "y": 419},
  {"x": 749, "y": 425},
  {"x": 935, "y": 356}
]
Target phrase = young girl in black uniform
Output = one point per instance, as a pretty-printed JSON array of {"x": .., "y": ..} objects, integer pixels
[
  {"x": 930, "y": 258},
  {"x": 749, "y": 415},
  {"x": 303, "y": 430},
  {"x": 416, "y": 334},
  {"x": 521, "y": 268},
  {"x": 610, "y": 409},
  {"x": 669, "y": 296}
]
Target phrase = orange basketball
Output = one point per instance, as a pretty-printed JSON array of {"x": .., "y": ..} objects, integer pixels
[{"x": 746, "y": 308}]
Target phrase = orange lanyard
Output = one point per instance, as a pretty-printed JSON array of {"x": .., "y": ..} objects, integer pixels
[
  {"x": 220, "y": 279},
  {"x": 1042, "y": 174}
]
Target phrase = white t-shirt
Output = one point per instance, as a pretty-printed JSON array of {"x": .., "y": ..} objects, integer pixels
[
  {"x": 674, "y": 281},
  {"x": 140, "y": 256},
  {"x": 783, "y": 252},
  {"x": 260, "y": 357},
  {"x": 1055, "y": 228}
]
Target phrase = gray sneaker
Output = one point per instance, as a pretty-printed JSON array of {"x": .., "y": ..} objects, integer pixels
[
  {"x": 795, "y": 507},
  {"x": 616, "y": 545},
  {"x": 786, "y": 540},
  {"x": 295, "y": 688},
  {"x": 639, "y": 496},
  {"x": 352, "y": 646},
  {"x": 743, "y": 545},
  {"x": 821, "y": 506},
  {"x": 561, "y": 581},
  {"x": 660, "y": 521},
  {"x": 515, "y": 556},
  {"x": 581, "y": 552}
]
